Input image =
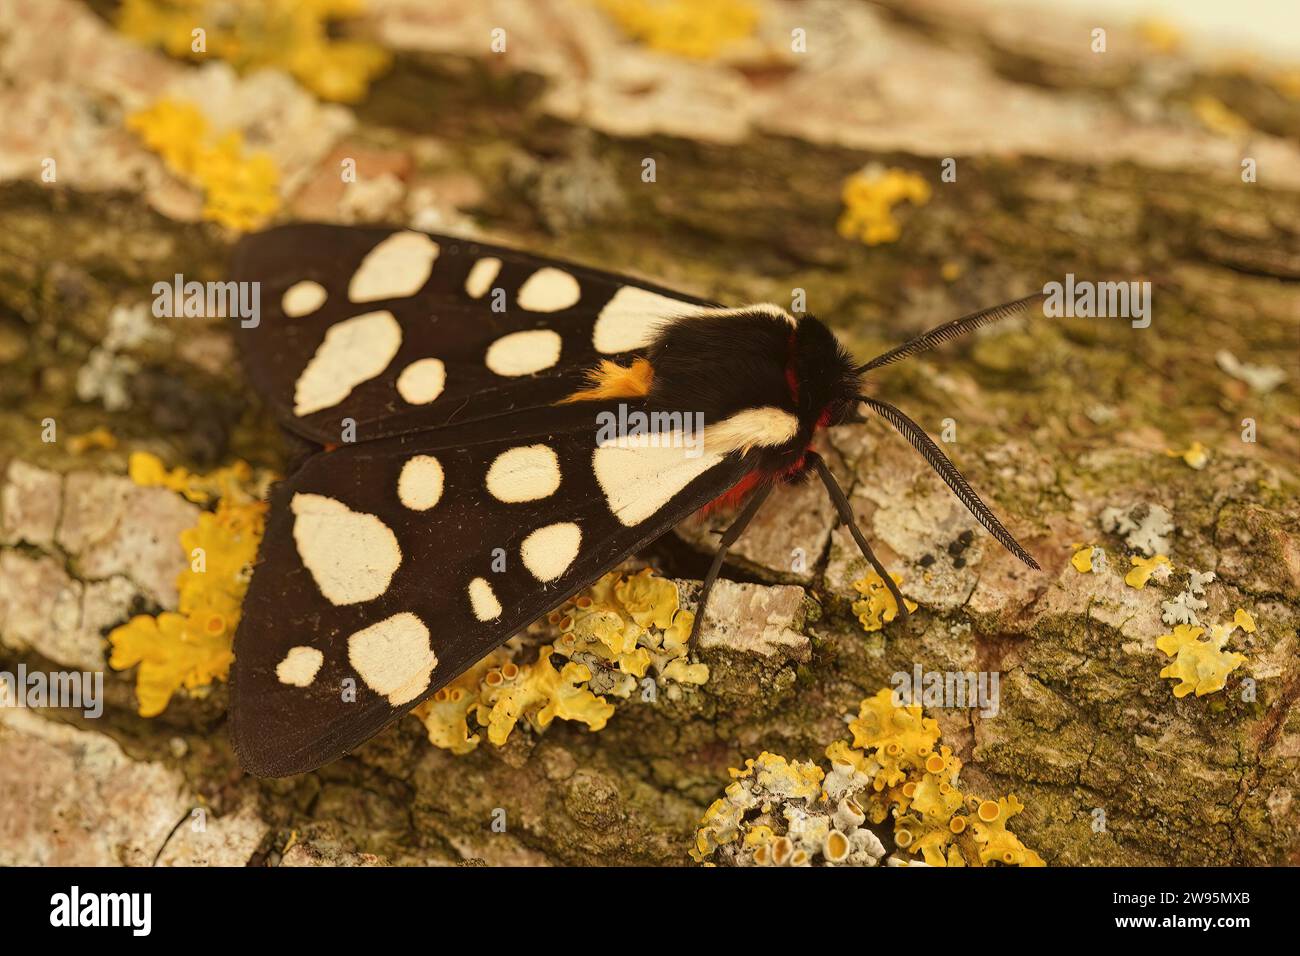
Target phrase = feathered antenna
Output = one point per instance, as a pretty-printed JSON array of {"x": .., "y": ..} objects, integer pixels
[
  {"x": 953, "y": 329},
  {"x": 917, "y": 436},
  {"x": 949, "y": 473}
]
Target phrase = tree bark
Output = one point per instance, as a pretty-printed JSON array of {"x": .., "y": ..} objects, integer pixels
[{"x": 1055, "y": 421}]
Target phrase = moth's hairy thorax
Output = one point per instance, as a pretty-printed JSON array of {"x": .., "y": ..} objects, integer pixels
[{"x": 763, "y": 380}]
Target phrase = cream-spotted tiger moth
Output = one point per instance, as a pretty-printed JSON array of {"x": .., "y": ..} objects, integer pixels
[{"x": 468, "y": 379}]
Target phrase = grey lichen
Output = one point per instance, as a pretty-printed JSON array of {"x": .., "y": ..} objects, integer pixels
[
  {"x": 1145, "y": 528},
  {"x": 1183, "y": 608}
]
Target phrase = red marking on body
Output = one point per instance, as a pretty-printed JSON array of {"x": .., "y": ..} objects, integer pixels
[
  {"x": 792, "y": 382},
  {"x": 736, "y": 493},
  {"x": 791, "y": 377}
]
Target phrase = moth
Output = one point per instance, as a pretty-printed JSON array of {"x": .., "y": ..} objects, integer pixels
[{"x": 455, "y": 485}]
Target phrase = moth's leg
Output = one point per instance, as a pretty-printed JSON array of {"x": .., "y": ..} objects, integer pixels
[
  {"x": 845, "y": 510},
  {"x": 729, "y": 538}
]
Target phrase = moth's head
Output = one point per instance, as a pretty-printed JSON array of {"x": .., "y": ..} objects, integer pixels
[
  {"x": 822, "y": 386},
  {"x": 824, "y": 379}
]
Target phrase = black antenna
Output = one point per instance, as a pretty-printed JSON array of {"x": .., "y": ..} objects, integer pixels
[
  {"x": 951, "y": 330},
  {"x": 949, "y": 473},
  {"x": 845, "y": 511}
]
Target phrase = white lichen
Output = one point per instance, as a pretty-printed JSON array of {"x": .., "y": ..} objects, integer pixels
[
  {"x": 1261, "y": 378},
  {"x": 782, "y": 813},
  {"x": 1182, "y": 609},
  {"x": 1145, "y": 528},
  {"x": 106, "y": 376}
]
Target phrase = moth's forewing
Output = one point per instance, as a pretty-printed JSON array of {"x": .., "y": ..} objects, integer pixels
[
  {"x": 373, "y": 587},
  {"x": 449, "y": 318}
]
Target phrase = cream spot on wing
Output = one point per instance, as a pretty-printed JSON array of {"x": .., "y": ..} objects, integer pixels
[
  {"x": 422, "y": 381},
  {"x": 420, "y": 484},
  {"x": 397, "y": 267},
  {"x": 766, "y": 425},
  {"x": 548, "y": 290},
  {"x": 483, "y": 600},
  {"x": 526, "y": 473},
  {"x": 394, "y": 657},
  {"x": 302, "y": 298},
  {"x": 353, "y": 351},
  {"x": 481, "y": 276},
  {"x": 351, "y": 555},
  {"x": 549, "y": 551},
  {"x": 299, "y": 666},
  {"x": 523, "y": 353},
  {"x": 633, "y": 317},
  {"x": 640, "y": 474}
]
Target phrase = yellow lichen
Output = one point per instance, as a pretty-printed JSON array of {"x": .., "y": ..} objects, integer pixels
[
  {"x": 877, "y": 607},
  {"x": 446, "y": 714},
  {"x": 997, "y": 843},
  {"x": 297, "y": 36},
  {"x": 172, "y": 651},
  {"x": 1159, "y": 35},
  {"x": 869, "y": 197},
  {"x": 192, "y": 646},
  {"x": 240, "y": 189},
  {"x": 540, "y": 693},
  {"x": 893, "y": 768},
  {"x": 721, "y": 825},
  {"x": 622, "y": 632},
  {"x": 148, "y": 471},
  {"x": 1199, "y": 665},
  {"x": 919, "y": 786},
  {"x": 650, "y": 600},
  {"x": 1286, "y": 82},
  {"x": 901, "y": 736},
  {"x": 771, "y": 791},
  {"x": 1195, "y": 455},
  {"x": 841, "y": 753},
  {"x": 1218, "y": 118},
  {"x": 1089, "y": 559},
  {"x": 96, "y": 438},
  {"x": 797, "y": 780},
  {"x": 684, "y": 673},
  {"x": 1144, "y": 568},
  {"x": 700, "y": 29},
  {"x": 221, "y": 549}
]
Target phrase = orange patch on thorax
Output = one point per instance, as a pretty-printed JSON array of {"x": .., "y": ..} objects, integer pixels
[{"x": 611, "y": 380}]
